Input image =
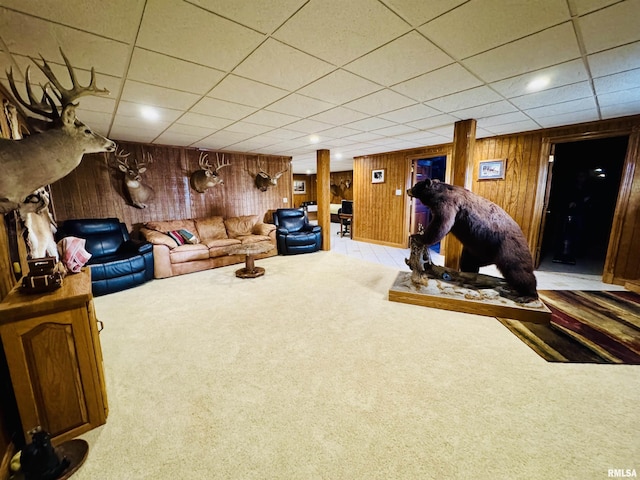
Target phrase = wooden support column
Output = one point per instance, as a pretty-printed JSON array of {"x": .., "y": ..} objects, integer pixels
[
  {"x": 461, "y": 171},
  {"x": 323, "y": 177}
]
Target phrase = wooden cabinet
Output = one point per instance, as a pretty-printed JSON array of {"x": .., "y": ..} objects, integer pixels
[{"x": 54, "y": 356}]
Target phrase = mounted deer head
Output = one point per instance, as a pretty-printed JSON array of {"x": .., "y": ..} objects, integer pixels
[
  {"x": 207, "y": 176},
  {"x": 43, "y": 158},
  {"x": 264, "y": 181},
  {"x": 139, "y": 193}
]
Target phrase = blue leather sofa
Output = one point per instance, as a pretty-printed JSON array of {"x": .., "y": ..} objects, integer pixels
[
  {"x": 117, "y": 262},
  {"x": 294, "y": 234}
]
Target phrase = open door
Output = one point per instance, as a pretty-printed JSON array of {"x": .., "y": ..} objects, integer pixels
[{"x": 421, "y": 169}]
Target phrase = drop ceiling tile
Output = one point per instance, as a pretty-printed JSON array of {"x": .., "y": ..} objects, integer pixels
[
  {"x": 325, "y": 29},
  {"x": 380, "y": 102},
  {"x": 271, "y": 119},
  {"x": 284, "y": 134},
  {"x": 417, "y": 13},
  {"x": 364, "y": 137},
  {"x": 515, "y": 127},
  {"x": 339, "y": 132},
  {"x": 128, "y": 134},
  {"x": 619, "y": 81},
  {"x": 220, "y": 108},
  {"x": 131, "y": 109},
  {"x": 549, "y": 47},
  {"x": 246, "y": 92},
  {"x": 157, "y": 126},
  {"x": 251, "y": 145},
  {"x": 371, "y": 123},
  {"x": 308, "y": 126},
  {"x": 299, "y": 105},
  {"x": 190, "y": 130},
  {"x": 263, "y": 15},
  {"x": 277, "y": 64},
  {"x": 395, "y": 130},
  {"x": 411, "y": 113},
  {"x": 96, "y": 104},
  {"x": 404, "y": 58},
  {"x": 441, "y": 82},
  {"x": 97, "y": 121},
  {"x": 157, "y": 96},
  {"x": 123, "y": 15},
  {"x": 339, "y": 116},
  {"x": 83, "y": 50},
  {"x": 339, "y": 87},
  {"x": 620, "y": 109},
  {"x": 585, "y": 6},
  {"x": 620, "y": 97},
  {"x": 615, "y": 60},
  {"x": 558, "y": 75},
  {"x": 248, "y": 128},
  {"x": 492, "y": 121},
  {"x": 569, "y": 118},
  {"x": 432, "y": 122},
  {"x": 164, "y": 71},
  {"x": 195, "y": 35},
  {"x": 206, "y": 121},
  {"x": 611, "y": 27},
  {"x": 563, "y": 108},
  {"x": 225, "y": 137},
  {"x": 487, "y": 110},
  {"x": 482, "y": 25},
  {"x": 177, "y": 139},
  {"x": 553, "y": 96},
  {"x": 465, "y": 99}
]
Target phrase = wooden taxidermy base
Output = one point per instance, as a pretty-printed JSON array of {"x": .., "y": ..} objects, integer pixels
[{"x": 430, "y": 285}]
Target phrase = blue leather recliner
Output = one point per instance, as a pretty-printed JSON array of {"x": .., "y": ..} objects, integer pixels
[
  {"x": 117, "y": 262},
  {"x": 294, "y": 233}
]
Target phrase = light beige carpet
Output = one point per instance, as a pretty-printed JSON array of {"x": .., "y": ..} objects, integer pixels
[{"x": 311, "y": 373}]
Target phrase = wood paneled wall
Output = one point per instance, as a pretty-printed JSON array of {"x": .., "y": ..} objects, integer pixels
[
  {"x": 379, "y": 214},
  {"x": 96, "y": 189},
  {"x": 311, "y": 186},
  {"x": 521, "y": 193},
  {"x": 336, "y": 178}
]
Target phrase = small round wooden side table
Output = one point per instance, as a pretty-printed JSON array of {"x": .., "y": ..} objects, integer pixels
[{"x": 250, "y": 251}]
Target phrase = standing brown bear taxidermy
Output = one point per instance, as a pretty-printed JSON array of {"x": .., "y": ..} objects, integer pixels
[{"x": 488, "y": 234}]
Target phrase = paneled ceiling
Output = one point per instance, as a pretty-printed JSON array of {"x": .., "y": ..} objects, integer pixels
[{"x": 356, "y": 77}]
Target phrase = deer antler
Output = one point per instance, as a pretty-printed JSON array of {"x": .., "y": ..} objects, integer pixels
[
  {"x": 68, "y": 96},
  {"x": 222, "y": 164},
  {"x": 123, "y": 157},
  {"x": 203, "y": 162},
  {"x": 46, "y": 106}
]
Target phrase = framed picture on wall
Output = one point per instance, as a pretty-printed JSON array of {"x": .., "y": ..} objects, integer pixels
[
  {"x": 377, "y": 176},
  {"x": 492, "y": 169},
  {"x": 299, "y": 187}
]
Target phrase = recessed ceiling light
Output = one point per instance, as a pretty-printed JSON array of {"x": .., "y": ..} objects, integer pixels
[
  {"x": 149, "y": 113},
  {"x": 314, "y": 139},
  {"x": 338, "y": 156},
  {"x": 538, "y": 84}
]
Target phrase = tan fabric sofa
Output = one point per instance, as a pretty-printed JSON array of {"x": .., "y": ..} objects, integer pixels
[{"x": 215, "y": 235}]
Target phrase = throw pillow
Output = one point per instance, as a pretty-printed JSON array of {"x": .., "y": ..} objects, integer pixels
[
  {"x": 175, "y": 234},
  {"x": 72, "y": 253},
  {"x": 188, "y": 236}
]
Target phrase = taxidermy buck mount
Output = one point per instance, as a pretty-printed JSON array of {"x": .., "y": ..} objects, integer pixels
[
  {"x": 264, "y": 180},
  {"x": 207, "y": 176},
  {"x": 139, "y": 192},
  {"x": 41, "y": 159}
]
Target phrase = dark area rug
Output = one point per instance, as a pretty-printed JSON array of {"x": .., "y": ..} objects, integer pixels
[{"x": 585, "y": 327}]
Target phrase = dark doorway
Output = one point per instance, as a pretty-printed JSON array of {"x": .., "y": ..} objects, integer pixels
[
  {"x": 584, "y": 190},
  {"x": 423, "y": 168}
]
